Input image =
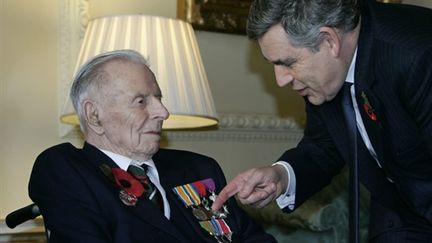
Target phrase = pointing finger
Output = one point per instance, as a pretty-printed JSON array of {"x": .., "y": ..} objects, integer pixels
[{"x": 227, "y": 192}]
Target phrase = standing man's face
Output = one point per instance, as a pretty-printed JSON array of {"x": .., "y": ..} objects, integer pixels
[
  {"x": 316, "y": 75},
  {"x": 131, "y": 110}
]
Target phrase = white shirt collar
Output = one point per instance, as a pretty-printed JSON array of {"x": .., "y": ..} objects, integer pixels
[
  {"x": 123, "y": 162},
  {"x": 351, "y": 70}
]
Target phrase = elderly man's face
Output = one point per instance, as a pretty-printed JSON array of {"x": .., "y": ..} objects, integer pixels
[{"x": 132, "y": 112}]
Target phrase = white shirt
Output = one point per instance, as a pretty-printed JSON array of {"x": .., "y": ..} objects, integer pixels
[
  {"x": 288, "y": 198},
  {"x": 124, "y": 162}
]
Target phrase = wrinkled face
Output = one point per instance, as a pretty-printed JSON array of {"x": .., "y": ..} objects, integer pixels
[
  {"x": 316, "y": 75},
  {"x": 131, "y": 111}
]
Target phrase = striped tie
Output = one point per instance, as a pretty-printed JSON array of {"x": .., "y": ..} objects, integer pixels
[
  {"x": 354, "y": 192},
  {"x": 151, "y": 192}
]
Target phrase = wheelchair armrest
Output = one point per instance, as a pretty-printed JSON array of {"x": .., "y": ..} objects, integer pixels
[{"x": 21, "y": 215}]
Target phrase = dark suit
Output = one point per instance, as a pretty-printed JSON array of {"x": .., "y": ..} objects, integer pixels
[
  {"x": 80, "y": 204},
  {"x": 394, "y": 72}
]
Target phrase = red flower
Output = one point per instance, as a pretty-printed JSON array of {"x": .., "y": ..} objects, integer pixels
[
  {"x": 370, "y": 111},
  {"x": 127, "y": 182},
  {"x": 368, "y": 108}
]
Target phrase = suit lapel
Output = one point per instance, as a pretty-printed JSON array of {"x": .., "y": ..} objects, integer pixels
[
  {"x": 144, "y": 209},
  {"x": 368, "y": 104},
  {"x": 369, "y": 108},
  {"x": 180, "y": 215},
  {"x": 332, "y": 115},
  {"x": 148, "y": 212}
]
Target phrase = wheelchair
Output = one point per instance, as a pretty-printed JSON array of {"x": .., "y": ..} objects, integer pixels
[{"x": 22, "y": 215}]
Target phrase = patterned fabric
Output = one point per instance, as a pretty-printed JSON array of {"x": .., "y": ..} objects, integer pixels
[{"x": 151, "y": 192}]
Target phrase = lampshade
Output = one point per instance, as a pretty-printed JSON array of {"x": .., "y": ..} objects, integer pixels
[{"x": 170, "y": 47}]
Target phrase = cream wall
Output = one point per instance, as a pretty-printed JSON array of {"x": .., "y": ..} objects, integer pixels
[
  {"x": 28, "y": 114},
  {"x": 30, "y": 56}
]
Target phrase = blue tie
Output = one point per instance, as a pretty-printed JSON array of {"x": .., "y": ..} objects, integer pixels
[{"x": 350, "y": 120}]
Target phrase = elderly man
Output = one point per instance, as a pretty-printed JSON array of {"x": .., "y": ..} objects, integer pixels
[{"x": 86, "y": 195}]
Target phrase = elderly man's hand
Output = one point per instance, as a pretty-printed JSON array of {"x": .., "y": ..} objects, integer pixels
[{"x": 256, "y": 187}]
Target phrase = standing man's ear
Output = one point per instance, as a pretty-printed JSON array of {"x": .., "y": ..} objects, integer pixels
[
  {"x": 91, "y": 114},
  {"x": 331, "y": 37}
]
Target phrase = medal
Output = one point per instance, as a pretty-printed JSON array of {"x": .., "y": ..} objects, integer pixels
[
  {"x": 199, "y": 196},
  {"x": 218, "y": 229},
  {"x": 191, "y": 196},
  {"x": 222, "y": 212},
  {"x": 201, "y": 213},
  {"x": 127, "y": 199},
  {"x": 209, "y": 184}
]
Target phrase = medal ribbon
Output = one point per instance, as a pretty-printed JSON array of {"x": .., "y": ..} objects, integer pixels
[
  {"x": 200, "y": 188},
  {"x": 208, "y": 227},
  {"x": 191, "y": 194},
  {"x": 188, "y": 194},
  {"x": 181, "y": 193},
  {"x": 225, "y": 228},
  {"x": 217, "y": 227},
  {"x": 209, "y": 184}
]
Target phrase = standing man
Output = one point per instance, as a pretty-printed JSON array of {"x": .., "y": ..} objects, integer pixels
[
  {"x": 382, "y": 53},
  {"x": 120, "y": 187}
]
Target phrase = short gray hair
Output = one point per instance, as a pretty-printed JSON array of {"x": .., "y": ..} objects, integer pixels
[
  {"x": 90, "y": 76},
  {"x": 302, "y": 19}
]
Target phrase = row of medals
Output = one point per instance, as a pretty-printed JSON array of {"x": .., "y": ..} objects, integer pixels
[{"x": 203, "y": 212}]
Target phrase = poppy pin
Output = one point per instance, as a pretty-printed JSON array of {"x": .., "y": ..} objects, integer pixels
[{"x": 370, "y": 111}]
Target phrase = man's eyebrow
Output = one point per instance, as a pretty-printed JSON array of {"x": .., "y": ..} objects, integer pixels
[{"x": 286, "y": 62}]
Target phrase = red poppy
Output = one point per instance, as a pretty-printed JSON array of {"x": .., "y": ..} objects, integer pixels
[
  {"x": 127, "y": 182},
  {"x": 370, "y": 111}
]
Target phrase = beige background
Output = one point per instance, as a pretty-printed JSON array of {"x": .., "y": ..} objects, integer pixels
[{"x": 241, "y": 82}]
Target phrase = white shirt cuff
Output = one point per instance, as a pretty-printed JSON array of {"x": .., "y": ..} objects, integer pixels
[{"x": 287, "y": 199}]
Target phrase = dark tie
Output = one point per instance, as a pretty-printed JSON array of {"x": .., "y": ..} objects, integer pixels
[
  {"x": 151, "y": 192},
  {"x": 350, "y": 120}
]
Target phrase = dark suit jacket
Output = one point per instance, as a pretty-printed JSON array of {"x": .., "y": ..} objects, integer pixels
[
  {"x": 80, "y": 204},
  {"x": 394, "y": 72}
]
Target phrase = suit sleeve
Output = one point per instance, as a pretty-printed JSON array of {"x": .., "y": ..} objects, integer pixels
[
  {"x": 415, "y": 184},
  {"x": 57, "y": 187},
  {"x": 419, "y": 95},
  {"x": 316, "y": 156}
]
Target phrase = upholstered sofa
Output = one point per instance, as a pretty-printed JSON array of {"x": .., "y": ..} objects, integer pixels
[{"x": 323, "y": 218}]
